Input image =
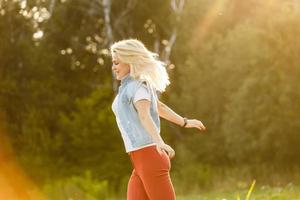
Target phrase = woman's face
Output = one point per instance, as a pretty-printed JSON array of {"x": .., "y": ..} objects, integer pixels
[{"x": 120, "y": 69}]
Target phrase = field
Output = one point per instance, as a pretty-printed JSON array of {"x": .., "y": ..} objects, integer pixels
[
  {"x": 288, "y": 192},
  {"x": 263, "y": 192}
]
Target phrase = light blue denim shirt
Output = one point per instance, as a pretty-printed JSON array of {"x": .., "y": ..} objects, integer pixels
[{"x": 128, "y": 119}]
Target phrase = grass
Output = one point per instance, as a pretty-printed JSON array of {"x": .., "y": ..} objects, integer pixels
[
  {"x": 289, "y": 192},
  {"x": 265, "y": 192}
]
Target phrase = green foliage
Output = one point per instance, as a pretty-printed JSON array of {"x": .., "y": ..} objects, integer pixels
[
  {"x": 190, "y": 177},
  {"x": 241, "y": 83},
  {"x": 77, "y": 187},
  {"x": 236, "y": 69},
  {"x": 263, "y": 192}
]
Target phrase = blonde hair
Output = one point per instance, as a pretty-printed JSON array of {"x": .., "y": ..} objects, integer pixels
[{"x": 143, "y": 63}]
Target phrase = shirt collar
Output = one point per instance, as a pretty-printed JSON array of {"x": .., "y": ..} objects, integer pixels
[{"x": 125, "y": 79}]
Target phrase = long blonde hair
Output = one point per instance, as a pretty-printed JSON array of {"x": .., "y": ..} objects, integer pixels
[{"x": 143, "y": 63}]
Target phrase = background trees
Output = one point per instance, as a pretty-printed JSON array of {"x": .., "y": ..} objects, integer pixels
[{"x": 232, "y": 64}]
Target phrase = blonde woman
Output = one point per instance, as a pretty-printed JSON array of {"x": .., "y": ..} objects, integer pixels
[{"x": 137, "y": 110}]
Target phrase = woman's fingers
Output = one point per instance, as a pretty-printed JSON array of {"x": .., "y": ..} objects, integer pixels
[
  {"x": 202, "y": 127},
  {"x": 194, "y": 123},
  {"x": 167, "y": 149},
  {"x": 199, "y": 125},
  {"x": 171, "y": 153},
  {"x": 159, "y": 149}
]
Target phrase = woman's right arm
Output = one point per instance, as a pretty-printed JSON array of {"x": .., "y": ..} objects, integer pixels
[{"x": 143, "y": 108}]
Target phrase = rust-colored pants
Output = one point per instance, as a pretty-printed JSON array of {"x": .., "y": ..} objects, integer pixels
[{"x": 150, "y": 178}]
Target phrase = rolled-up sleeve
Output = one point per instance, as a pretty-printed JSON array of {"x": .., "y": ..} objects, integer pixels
[{"x": 142, "y": 93}]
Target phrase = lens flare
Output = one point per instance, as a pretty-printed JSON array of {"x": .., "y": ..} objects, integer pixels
[
  {"x": 205, "y": 24},
  {"x": 14, "y": 184}
]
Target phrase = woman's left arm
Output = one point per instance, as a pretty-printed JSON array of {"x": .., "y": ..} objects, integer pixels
[{"x": 168, "y": 114}]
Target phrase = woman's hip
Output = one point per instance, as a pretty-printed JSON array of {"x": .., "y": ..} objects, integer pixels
[{"x": 148, "y": 159}]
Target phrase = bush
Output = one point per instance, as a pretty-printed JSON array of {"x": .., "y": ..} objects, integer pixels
[{"x": 77, "y": 187}]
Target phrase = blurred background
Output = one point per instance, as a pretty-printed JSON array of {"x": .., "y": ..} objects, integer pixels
[{"x": 233, "y": 64}]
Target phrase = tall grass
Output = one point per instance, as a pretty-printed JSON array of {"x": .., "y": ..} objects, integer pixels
[{"x": 249, "y": 191}]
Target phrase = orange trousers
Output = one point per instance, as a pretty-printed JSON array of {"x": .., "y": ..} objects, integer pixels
[{"x": 150, "y": 178}]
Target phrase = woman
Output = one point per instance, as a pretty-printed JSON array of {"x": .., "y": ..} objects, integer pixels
[{"x": 137, "y": 110}]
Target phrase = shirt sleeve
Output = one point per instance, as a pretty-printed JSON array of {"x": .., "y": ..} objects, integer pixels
[{"x": 142, "y": 93}]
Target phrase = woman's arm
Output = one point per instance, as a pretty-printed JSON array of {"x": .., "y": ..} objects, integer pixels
[
  {"x": 168, "y": 114},
  {"x": 143, "y": 108}
]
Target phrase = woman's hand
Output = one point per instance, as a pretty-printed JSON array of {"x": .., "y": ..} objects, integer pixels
[
  {"x": 194, "y": 123},
  {"x": 164, "y": 147}
]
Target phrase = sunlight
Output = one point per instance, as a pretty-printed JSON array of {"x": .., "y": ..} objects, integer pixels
[
  {"x": 38, "y": 14},
  {"x": 38, "y": 35},
  {"x": 14, "y": 184},
  {"x": 100, "y": 61},
  {"x": 69, "y": 50},
  {"x": 204, "y": 25},
  {"x": 104, "y": 52},
  {"x": 2, "y": 12},
  {"x": 23, "y": 4},
  {"x": 217, "y": 7}
]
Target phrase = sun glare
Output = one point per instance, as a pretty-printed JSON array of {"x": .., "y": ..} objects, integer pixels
[
  {"x": 14, "y": 184},
  {"x": 205, "y": 24}
]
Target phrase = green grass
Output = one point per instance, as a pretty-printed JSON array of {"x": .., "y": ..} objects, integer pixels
[
  {"x": 289, "y": 192},
  {"x": 254, "y": 192}
]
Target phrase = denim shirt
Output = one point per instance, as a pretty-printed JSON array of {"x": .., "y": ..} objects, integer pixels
[{"x": 127, "y": 114}]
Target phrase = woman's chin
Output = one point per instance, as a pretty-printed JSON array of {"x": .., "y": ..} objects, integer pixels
[{"x": 118, "y": 77}]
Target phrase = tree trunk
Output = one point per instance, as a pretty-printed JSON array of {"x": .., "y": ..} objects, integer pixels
[
  {"x": 109, "y": 34},
  {"x": 177, "y": 7},
  {"x": 51, "y": 7}
]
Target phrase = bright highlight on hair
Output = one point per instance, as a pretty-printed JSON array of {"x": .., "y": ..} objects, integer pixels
[{"x": 143, "y": 63}]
